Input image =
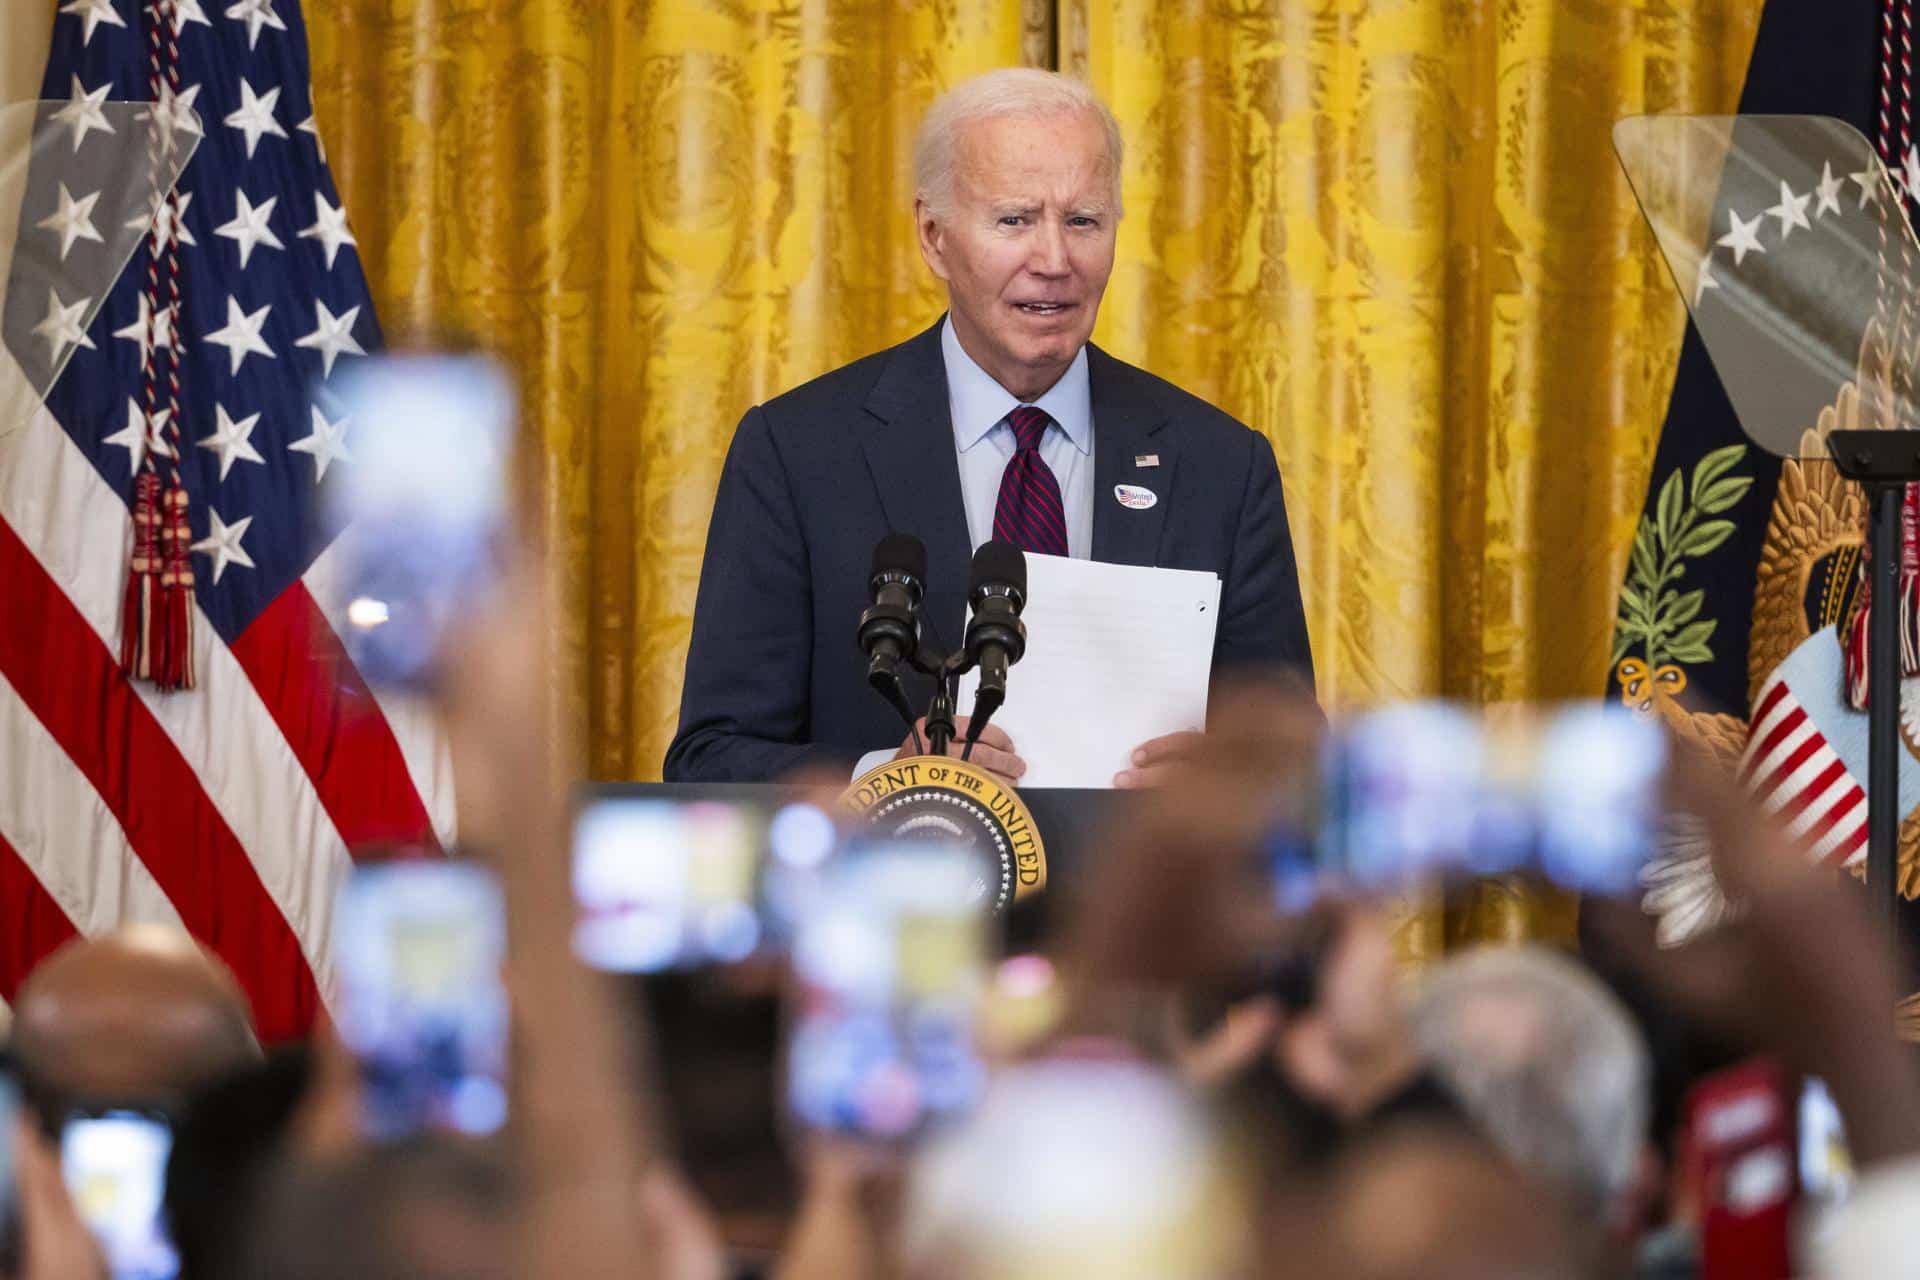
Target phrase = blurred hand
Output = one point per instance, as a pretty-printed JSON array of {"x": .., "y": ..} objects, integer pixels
[
  {"x": 1352, "y": 1048},
  {"x": 1348, "y": 1051},
  {"x": 849, "y": 1212},
  {"x": 679, "y": 1228},
  {"x": 327, "y": 1125},
  {"x": 1186, "y": 897},
  {"x": 1158, "y": 760},
  {"x": 499, "y": 710},
  {"x": 1803, "y": 970},
  {"x": 55, "y": 1243},
  {"x": 583, "y": 1107},
  {"x": 1241, "y": 1038},
  {"x": 994, "y": 752}
]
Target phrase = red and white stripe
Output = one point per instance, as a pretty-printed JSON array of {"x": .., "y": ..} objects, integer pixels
[
  {"x": 1799, "y": 779},
  {"x": 229, "y": 808}
]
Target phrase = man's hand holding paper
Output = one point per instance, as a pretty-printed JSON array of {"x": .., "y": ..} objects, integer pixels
[{"x": 1118, "y": 659}]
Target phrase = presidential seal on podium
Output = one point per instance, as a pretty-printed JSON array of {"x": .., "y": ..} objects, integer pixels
[{"x": 944, "y": 799}]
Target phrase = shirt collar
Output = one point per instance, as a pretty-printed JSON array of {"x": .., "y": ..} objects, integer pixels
[{"x": 979, "y": 404}]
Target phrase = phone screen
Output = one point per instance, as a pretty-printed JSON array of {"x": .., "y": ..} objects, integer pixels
[
  {"x": 1400, "y": 785},
  {"x": 419, "y": 508},
  {"x": 667, "y": 884},
  {"x": 1427, "y": 790},
  {"x": 890, "y": 965},
  {"x": 419, "y": 948},
  {"x": 1598, "y": 799},
  {"x": 9, "y": 1199},
  {"x": 115, "y": 1166}
]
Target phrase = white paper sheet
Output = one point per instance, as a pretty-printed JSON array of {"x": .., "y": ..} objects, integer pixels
[{"x": 1116, "y": 655}]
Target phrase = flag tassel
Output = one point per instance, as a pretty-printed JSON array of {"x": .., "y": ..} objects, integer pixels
[
  {"x": 175, "y": 670},
  {"x": 143, "y": 579},
  {"x": 156, "y": 641}
]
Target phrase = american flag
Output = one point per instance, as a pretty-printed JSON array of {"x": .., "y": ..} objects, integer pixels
[{"x": 230, "y": 807}]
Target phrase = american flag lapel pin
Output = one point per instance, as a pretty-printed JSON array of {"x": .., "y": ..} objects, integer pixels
[{"x": 1146, "y": 459}]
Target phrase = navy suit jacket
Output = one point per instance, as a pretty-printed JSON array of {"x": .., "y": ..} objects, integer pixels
[{"x": 817, "y": 476}]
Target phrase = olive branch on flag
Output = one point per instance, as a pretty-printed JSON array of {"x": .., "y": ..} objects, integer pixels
[{"x": 1654, "y": 612}]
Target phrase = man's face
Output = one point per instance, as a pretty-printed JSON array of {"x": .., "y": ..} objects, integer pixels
[{"x": 1027, "y": 247}]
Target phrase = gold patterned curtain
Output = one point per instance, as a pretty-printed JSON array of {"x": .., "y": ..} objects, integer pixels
[
  {"x": 662, "y": 211},
  {"x": 1389, "y": 233},
  {"x": 1394, "y": 237}
]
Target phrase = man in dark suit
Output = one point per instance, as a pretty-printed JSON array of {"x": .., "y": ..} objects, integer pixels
[{"x": 1000, "y": 421}]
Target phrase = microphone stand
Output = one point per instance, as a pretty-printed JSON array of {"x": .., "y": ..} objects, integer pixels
[
  {"x": 1884, "y": 462},
  {"x": 940, "y": 713},
  {"x": 882, "y": 622},
  {"x": 946, "y": 674}
]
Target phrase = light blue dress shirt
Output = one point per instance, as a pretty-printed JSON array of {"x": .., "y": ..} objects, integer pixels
[{"x": 984, "y": 441}]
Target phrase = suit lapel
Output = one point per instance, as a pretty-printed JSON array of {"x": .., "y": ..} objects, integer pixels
[
  {"x": 1127, "y": 422},
  {"x": 911, "y": 456}
]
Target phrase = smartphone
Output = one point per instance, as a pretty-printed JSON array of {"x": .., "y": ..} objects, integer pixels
[
  {"x": 114, "y": 1163},
  {"x": 1399, "y": 788},
  {"x": 889, "y": 967},
  {"x": 1598, "y": 777},
  {"x": 664, "y": 884},
  {"x": 9, "y": 1197},
  {"x": 422, "y": 1007},
  {"x": 1425, "y": 791},
  {"x": 420, "y": 508}
]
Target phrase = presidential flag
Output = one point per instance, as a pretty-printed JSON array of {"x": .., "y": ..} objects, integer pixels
[
  {"x": 1742, "y": 616},
  {"x": 232, "y": 806}
]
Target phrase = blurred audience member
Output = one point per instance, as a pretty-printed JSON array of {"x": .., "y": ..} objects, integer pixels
[
  {"x": 1077, "y": 1168},
  {"x": 432, "y": 1208},
  {"x": 848, "y": 1224},
  {"x": 1491, "y": 1122},
  {"x": 1424, "y": 1202},
  {"x": 141, "y": 1016},
  {"x": 1547, "y": 1065},
  {"x": 227, "y": 1141}
]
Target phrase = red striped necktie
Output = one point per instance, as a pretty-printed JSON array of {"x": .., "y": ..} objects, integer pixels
[{"x": 1029, "y": 512}]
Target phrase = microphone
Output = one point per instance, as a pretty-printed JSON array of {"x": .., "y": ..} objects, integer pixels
[
  {"x": 889, "y": 631},
  {"x": 996, "y": 638}
]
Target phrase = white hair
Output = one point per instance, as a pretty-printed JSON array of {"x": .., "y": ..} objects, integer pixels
[
  {"x": 1042, "y": 1180},
  {"x": 1010, "y": 91},
  {"x": 1546, "y": 1061}
]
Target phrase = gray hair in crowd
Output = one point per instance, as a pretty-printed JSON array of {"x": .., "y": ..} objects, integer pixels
[
  {"x": 1010, "y": 91},
  {"x": 1070, "y": 1169},
  {"x": 1546, "y": 1061}
]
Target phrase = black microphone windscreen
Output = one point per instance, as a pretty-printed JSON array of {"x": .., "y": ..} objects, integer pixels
[
  {"x": 999, "y": 562},
  {"x": 900, "y": 553}
]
